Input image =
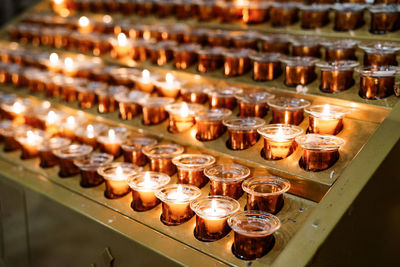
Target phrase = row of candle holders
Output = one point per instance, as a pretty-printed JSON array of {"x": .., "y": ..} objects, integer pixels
[
  {"x": 384, "y": 18},
  {"x": 215, "y": 214}
]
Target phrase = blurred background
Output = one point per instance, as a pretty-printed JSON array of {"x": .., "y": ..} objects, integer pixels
[{"x": 11, "y": 8}]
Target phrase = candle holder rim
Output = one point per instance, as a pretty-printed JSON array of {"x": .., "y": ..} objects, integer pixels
[
  {"x": 243, "y": 123},
  {"x": 110, "y": 91},
  {"x": 208, "y": 160},
  {"x": 213, "y": 172},
  {"x": 196, "y": 88},
  {"x": 238, "y": 53},
  {"x": 131, "y": 97},
  {"x": 266, "y": 57},
  {"x": 349, "y": 7},
  {"x": 335, "y": 112},
  {"x": 254, "y": 97},
  {"x": 73, "y": 151},
  {"x": 152, "y": 76},
  {"x": 340, "y": 65},
  {"x": 320, "y": 142},
  {"x": 379, "y": 47},
  {"x": 340, "y": 44},
  {"x": 381, "y": 8},
  {"x": 192, "y": 108},
  {"x": 97, "y": 129},
  {"x": 307, "y": 41},
  {"x": 378, "y": 71},
  {"x": 22, "y": 138},
  {"x": 294, "y": 131},
  {"x": 299, "y": 61},
  {"x": 156, "y": 101},
  {"x": 247, "y": 35},
  {"x": 15, "y": 130},
  {"x": 226, "y": 91},
  {"x": 286, "y": 5},
  {"x": 199, "y": 203},
  {"x": 127, "y": 168},
  {"x": 236, "y": 220},
  {"x": 93, "y": 161},
  {"x": 189, "y": 47},
  {"x": 132, "y": 180},
  {"x": 54, "y": 143},
  {"x": 213, "y": 51},
  {"x": 281, "y": 183},
  {"x": 288, "y": 103},
  {"x": 315, "y": 7},
  {"x": 276, "y": 38},
  {"x": 177, "y": 149},
  {"x": 163, "y": 196},
  {"x": 130, "y": 145},
  {"x": 5, "y": 124},
  {"x": 215, "y": 114}
]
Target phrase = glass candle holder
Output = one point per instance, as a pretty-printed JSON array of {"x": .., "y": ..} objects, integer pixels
[
  {"x": 161, "y": 156},
  {"x": 380, "y": 53},
  {"x": 116, "y": 176},
  {"x": 326, "y": 119},
  {"x": 209, "y": 124},
  {"x": 195, "y": 93},
  {"x": 176, "y": 203},
  {"x": 337, "y": 76},
  {"x": 4, "y": 126},
  {"x": 314, "y": 16},
  {"x": 69, "y": 126},
  {"x": 288, "y": 110},
  {"x": 190, "y": 168},
  {"x": 161, "y": 52},
  {"x": 223, "y": 97},
  {"x": 143, "y": 186},
  {"x": 110, "y": 142},
  {"x": 106, "y": 99},
  {"x": 253, "y": 103},
  {"x": 129, "y": 103},
  {"x": 139, "y": 49},
  {"x": 67, "y": 155},
  {"x": 255, "y": 12},
  {"x": 253, "y": 236},
  {"x": 88, "y": 166},
  {"x": 278, "y": 43},
  {"x": 212, "y": 214},
  {"x": 121, "y": 46},
  {"x": 86, "y": 94},
  {"x": 124, "y": 76},
  {"x": 226, "y": 179},
  {"x": 185, "y": 55},
  {"x": 340, "y": 50},
  {"x": 384, "y": 18},
  {"x": 207, "y": 10},
  {"x": 320, "y": 152},
  {"x": 168, "y": 86},
  {"x": 237, "y": 61},
  {"x": 46, "y": 155},
  {"x": 299, "y": 70},
  {"x": 265, "y": 193},
  {"x": 185, "y": 9},
  {"x": 181, "y": 116},
  {"x": 132, "y": 149},
  {"x": 154, "y": 111},
  {"x": 243, "y": 132},
  {"x": 88, "y": 135},
  {"x": 284, "y": 14},
  {"x": 29, "y": 142},
  {"x": 145, "y": 82},
  {"x": 266, "y": 66},
  {"x": 210, "y": 59},
  {"x": 219, "y": 38},
  {"x": 349, "y": 16},
  {"x": 10, "y": 134},
  {"x": 229, "y": 11},
  {"x": 15, "y": 111},
  {"x": 377, "y": 82},
  {"x": 279, "y": 140},
  {"x": 68, "y": 92},
  {"x": 306, "y": 46},
  {"x": 246, "y": 40}
]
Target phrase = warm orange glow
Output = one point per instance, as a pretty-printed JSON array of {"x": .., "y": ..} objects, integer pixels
[{"x": 122, "y": 41}]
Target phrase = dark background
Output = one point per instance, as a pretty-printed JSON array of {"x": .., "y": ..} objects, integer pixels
[{"x": 11, "y": 8}]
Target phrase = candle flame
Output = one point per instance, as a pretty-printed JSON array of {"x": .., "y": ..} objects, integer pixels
[
  {"x": 90, "y": 131},
  {"x": 51, "y": 117},
  {"x": 119, "y": 172},
  {"x": 53, "y": 58},
  {"x": 18, "y": 107},
  {"x": 184, "y": 111},
  {"x": 83, "y": 21},
  {"x": 179, "y": 192},
  {"x": 58, "y": 2},
  {"x": 327, "y": 110},
  {"x": 146, "y": 178},
  {"x": 146, "y": 35},
  {"x": 122, "y": 41},
  {"x": 69, "y": 63},
  {"x": 279, "y": 133},
  {"x": 111, "y": 134},
  {"x": 32, "y": 138},
  {"x": 146, "y": 75},
  {"x": 169, "y": 78},
  {"x": 71, "y": 121},
  {"x": 107, "y": 19},
  {"x": 214, "y": 206}
]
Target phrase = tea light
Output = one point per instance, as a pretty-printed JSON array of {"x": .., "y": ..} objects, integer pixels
[
  {"x": 144, "y": 185},
  {"x": 314, "y": 16},
  {"x": 58, "y": 5},
  {"x": 349, "y": 16},
  {"x": 380, "y": 53},
  {"x": 223, "y": 97},
  {"x": 69, "y": 126},
  {"x": 15, "y": 111},
  {"x": 121, "y": 46},
  {"x": 84, "y": 25},
  {"x": 67, "y": 155},
  {"x": 185, "y": 55},
  {"x": 253, "y": 236},
  {"x": 279, "y": 140},
  {"x": 139, "y": 49},
  {"x": 190, "y": 168},
  {"x": 124, "y": 76},
  {"x": 105, "y": 97},
  {"x": 299, "y": 70},
  {"x": 237, "y": 61},
  {"x": 265, "y": 193},
  {"x": 86, "y": 94},
  {"x": 245, "y": 40},
  {"x": 195, "y": 93},
  {"x": 226, "y": 179},
  {"x": 88, "y": 135},
  {"x": 278, "y": 43},
  {"x": 377, "y": 82},
  {"x": 209, "y": 123},
  {"x": 116, "y": 176},
  {"x": 288, "y": 110},
  {"x": 243, "y": 132},
  {"x": 129, "y": 103},
  {"x": 253, "y": 103},
  {"x": 168, "y": 87},
  {"x": 320, "y": 152},
  {"x": 110, "y": 142},
  {"x": 325, "y": 119},
  {"x": 10, "y": 134},
  {"x": 284, "y": 14},
  {"x": 195, "y": 36},
  {"x": 212, "y": 214},
  {"x": 46, "y": 155},
  {"x": 176, "y": 203},
  {"x": 145, "y": 82},
  {"x": 161, "y": 52},
  {"x": 337, "y": 76},
  {"x": 53, "y": 63},
  {"x": 219, "y": 38},
  {"x": 384, "y": 18},
  {"x": 255, "y": 12},
  {"x": 153, "y": 109},
  {"x": 340, "y": 50},
  {"x": 132, "y": 149},
  {"x": 161, "y": 156},
  {"x": 306, "y": 46},
  {"x": 210, "y": 59},
  {"x": 69, "y": 67},
  {"x": 181, "y": 116},
  {"x": 30, "y": 142},
  {"x": 88, "y": 166},
  {"x": 207, "y": 10},
  {"x": 230, "y": 11},
  {"x": 266, "y": 66}
]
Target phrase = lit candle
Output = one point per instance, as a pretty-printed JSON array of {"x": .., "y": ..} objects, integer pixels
[
  {"x": 170, "y": 87},
  {"x": 59, "y": 7},
  {"x": 54, "y": 63},
  {"x": 111, "y": 142},
  {"x": 88, "y": 135},
  {"x": 144, "y": 185},
  {"x": 212, "y": 213},
  {"x": 67, "y": 155},
  {"x": 181, "y": 116},
  {"x": 176, "y": 203},
  {"x": 161, "y": 156},
  {"x": 116, "y": 175},
  {"x": 121, "y": 47},
  {"x": 70, "y": 67},
  {"x": 145, "y": 81},
  {"x": 30, "y": 142},
  {"x": 89, "y": 165},
  {"x": 46, "y": 155},
  {"x": 17, "y": 113},
  {"x": 68, "y": 128},
  {"x": 279, "y": 140},
  {"x": 325, "y": 119},
  {"x": 84, "y": 25}
]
